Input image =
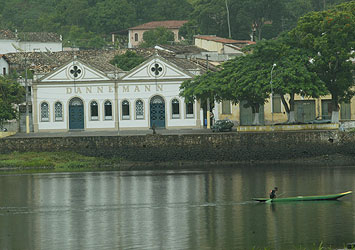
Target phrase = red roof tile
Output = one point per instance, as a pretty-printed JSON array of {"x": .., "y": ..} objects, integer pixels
[
  {"x": 224, "y": 40},
  {"x": 172, "y": 24}
]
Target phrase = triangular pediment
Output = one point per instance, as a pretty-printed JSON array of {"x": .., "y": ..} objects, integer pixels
[
  {"x": 157, "y": 68},
  {"x": 75, "y": 71}
]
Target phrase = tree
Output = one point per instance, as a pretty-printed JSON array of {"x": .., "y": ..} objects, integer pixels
[
  {"x": 157, "y": 36},
  {"x": 112, "y": 15},
  {"x": 292, "y": 71},
  {"x": 248, "y": 78},
  {"x": 11, "y": 93},
  {"x": 201, "y": 88},
  {"x": 262, "y": 11},
  {"x": 189, "y": 30},
  {"x": 127, "y": 61},
  {"x": 329, "y": 37}
]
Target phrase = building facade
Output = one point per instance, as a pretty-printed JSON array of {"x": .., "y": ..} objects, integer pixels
[
  {"x": 135, "y": 34},
  {"x": 4, "y": 65},
  {"x": 78, "y": 96},
  {"x": 12, "y": 42}
]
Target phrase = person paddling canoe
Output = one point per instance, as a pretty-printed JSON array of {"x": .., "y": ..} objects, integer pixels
[{"x": 273, "y": 193}]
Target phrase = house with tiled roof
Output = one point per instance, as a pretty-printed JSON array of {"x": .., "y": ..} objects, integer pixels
[
  {"x": 135, "y": 34},
  {"x": 78, "y": 95},
  {"x": 13, "y": 42},
  {"x": 221, "y": 45},
  {"x": 4, "y": 65}
]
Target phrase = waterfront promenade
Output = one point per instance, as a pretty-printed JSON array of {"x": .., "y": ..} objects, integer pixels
[{"x": 114, "y": 133}]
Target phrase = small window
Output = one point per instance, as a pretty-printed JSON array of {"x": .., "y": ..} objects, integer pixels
[
  {"x": 94, "y": 111},
  {"x": 108, "y": 110},
  {"x": 58, "y": 111},
  {"x": 189, "y": 110},
  {"x": 139, "y": 110},
  {"x": 136, "y": 37},
  {"x": 125, "y": 110},
  {"x": 4, "y": 71},
  {"x": 175, "y": 108},
  {"x": 276, "y": 103},
  {"x": 345, "y": 111},
  {"x": 44, "y": 112},
  {"x": 226, "y": 107}
]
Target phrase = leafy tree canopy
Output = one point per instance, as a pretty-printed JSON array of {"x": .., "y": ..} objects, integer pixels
[
  {"x": 11, "y": 93},
  {"x": 329, "y": 38},
  {"x": 128, "y": 60},
  {"x": 157, "y": 36}
]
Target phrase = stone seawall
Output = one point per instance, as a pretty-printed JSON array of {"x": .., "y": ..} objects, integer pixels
[{"x": 227, "y": 147}]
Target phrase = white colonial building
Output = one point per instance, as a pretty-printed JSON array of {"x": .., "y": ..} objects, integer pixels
[
  {"x": 79, "y": 96},
  {"x": 13, "y": 42}
]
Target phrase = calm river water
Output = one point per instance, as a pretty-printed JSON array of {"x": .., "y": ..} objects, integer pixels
[{"x": 209, "y": 209}]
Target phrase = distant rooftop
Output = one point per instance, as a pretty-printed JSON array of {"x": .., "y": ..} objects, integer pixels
[
  {"x": 30, "y": 36},
  {"x": 45, "y": 62},
  {"x": 172, "y": 24},
  {"x": 181, "y": 49},
  {"x": 224, "y": 40}
]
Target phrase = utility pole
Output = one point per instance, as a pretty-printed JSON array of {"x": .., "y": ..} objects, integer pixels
[
  {"x": 27, "y": 107},
  {"x": 208, "y": 104},
  {"x": 272, "y": 95},
  {"x": 228, "y": 21}
]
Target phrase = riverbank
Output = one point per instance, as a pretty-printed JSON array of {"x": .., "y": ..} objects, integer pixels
[
  {"x": 53, "y": 162},
  {"x": 185, "y": 150},
  {"x": 37, "y": 162}
]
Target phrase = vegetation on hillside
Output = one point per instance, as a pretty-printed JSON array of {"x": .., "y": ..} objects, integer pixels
[
  {"x": 311, "y": 60},
  {"x": 88, "y": 23}
]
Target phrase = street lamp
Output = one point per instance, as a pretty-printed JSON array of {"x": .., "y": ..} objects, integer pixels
[{"x": 272, "y": 95}]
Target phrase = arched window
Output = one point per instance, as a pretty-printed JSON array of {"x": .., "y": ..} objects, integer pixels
[
  {"x": 58, "y": 111},
  {"x": 44, "y": 112},
  {"x": 189, "y": 110},
  {"x": 125, "y": 110},
  {"x": 175, "y": 106},
  {"x": 139, "y": 110},
  {"x": 94, "y": 111},
  {"x": 136, "y": 37},
  {"x": 108, "y": 110}
]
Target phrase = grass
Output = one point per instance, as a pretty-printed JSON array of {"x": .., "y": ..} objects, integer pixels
[
  {"x": 53, "y": 161},
  {"x": 314, "y": 247}
]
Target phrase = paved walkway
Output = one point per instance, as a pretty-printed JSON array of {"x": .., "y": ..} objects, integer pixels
[{"x": 113, "y": 133}]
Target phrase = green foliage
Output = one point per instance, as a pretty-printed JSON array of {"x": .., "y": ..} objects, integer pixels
[
  {"x": 202, "y": 87},
  {"x": 329, "y": 38},
  {"x": 189, "y": 30},
  {"x": 268, "y": 17},
  {"x": 11, "y": 93},
  {"x": 128, "y": 60},
  {"x": 56, "y": 161},
  {"x": 157, "y": 36},
  {"x": 102, "y": 17},
  {"x": 248, "y": 78},
  {"x": 77, "y": 37}
]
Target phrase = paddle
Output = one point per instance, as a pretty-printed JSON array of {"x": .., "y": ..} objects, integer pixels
[{"x": 269, "y": 200}]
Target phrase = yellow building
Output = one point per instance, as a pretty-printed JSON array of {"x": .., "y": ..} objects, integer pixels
[{"x": 306, "y": 110}]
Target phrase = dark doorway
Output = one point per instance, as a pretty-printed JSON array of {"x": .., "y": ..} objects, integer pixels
[
  {"x": 76, "y": 114},
  {"x": 157, "y": 112}
]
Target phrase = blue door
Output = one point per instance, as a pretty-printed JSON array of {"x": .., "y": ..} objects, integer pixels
[
  {"x": 76, "y": 114},
  {"x": 157, "y": 112}
]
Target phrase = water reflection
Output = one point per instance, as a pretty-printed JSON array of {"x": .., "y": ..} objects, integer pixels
[{"x": 174, "y": 209}]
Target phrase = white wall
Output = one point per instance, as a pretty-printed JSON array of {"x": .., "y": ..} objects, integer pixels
[
  {"x": 64, "y": 93},
  {"x": 145, "y": 91},
  {"x": 4, "y": 64},
  {"x": 6, "y": 46},
  {"x": 37, "y": 46},
  {"x": 10, "y": 46}
]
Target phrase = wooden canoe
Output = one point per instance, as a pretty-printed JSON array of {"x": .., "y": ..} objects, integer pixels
[{"x": 305, "y": 198}]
